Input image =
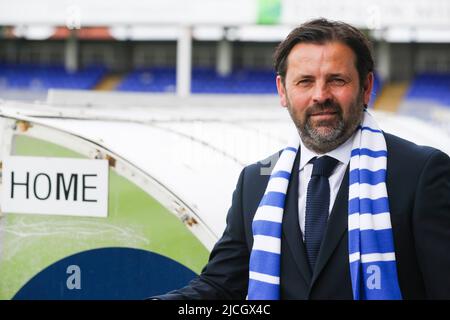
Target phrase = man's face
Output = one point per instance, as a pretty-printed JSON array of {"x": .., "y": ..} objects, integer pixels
[{"x": 322, "y": 93}]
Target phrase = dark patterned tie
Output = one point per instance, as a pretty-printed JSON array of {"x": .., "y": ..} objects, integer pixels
[{"x": 317, "y": 206}]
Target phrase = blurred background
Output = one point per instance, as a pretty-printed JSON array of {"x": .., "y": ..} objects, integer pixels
[{"x": 215, "y": 47}]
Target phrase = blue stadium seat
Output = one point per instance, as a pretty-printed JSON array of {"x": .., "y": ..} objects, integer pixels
[
  {"x": 36, "y": 77},
  {"x": 204, "y": 80},
  {"x": 430, "y": 86}
]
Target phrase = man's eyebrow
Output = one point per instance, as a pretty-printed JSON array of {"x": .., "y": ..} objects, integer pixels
[
  {"x": 338, "y": 75},
  {"x": 304, "y": 75}
]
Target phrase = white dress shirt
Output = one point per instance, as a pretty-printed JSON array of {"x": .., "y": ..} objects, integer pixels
[{"x": 341, "y": 153}]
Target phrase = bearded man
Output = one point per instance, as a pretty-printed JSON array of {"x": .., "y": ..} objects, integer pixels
[{"x": 348, "y": 211}]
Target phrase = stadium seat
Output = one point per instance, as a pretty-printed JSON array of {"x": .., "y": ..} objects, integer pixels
[
  {"x": 204, "y": 80},
  {"x": 430, "y": 87},
  {"x": 35, "y": 77}
]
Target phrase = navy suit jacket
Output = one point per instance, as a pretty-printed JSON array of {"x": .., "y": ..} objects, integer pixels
[{"x": 418, "y": 186}]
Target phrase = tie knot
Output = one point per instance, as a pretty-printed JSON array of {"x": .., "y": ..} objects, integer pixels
[{"x": 323, "y": 166}]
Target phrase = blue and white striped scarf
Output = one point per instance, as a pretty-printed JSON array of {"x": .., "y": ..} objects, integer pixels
[{"x": 371, "y": 246}]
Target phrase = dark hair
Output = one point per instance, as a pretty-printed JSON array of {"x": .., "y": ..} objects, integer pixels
[{"x": 320, "y": 31}]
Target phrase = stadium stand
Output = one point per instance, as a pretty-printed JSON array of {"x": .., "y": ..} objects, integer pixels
[
  {"x": 204, "y": 80},
  {"x": 428, "y": 98},
  {"x": 38, "y": 77},
  {"x": 430, "y": 86},
  {"x": 149, "y": 80},
  {"x": 239, "y": 81}
]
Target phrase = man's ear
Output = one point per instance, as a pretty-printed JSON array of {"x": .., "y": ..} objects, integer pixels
[
  {"x": 367, "y": 87},
  {"x": 281, "y": 91}
]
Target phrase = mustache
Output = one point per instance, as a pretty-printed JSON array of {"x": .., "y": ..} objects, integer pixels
[{"x": 328, "y": 106}]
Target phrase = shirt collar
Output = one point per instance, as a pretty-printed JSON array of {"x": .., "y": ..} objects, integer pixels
[{"x": 341, "y": 153}]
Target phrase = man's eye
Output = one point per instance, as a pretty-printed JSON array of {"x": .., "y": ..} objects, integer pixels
[
  {"x": 337, "y": 81},
  {"x": 304, "y": 82}
]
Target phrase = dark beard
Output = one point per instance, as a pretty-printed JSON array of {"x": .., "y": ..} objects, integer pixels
[{"x": 338, "y": 131}]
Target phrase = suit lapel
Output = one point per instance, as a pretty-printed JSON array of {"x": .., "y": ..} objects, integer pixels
[
  {"x": 336, "y": 226},
  {"x": 291, "y": 226}
]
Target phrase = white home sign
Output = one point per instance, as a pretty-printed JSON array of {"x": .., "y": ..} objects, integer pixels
[{"x": 60, "y": 186}]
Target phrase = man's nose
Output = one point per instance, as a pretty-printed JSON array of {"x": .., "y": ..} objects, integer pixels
[{"x": 321, "y": 93}]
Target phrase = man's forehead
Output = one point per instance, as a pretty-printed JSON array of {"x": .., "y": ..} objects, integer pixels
[{"x": 309, "y": 55}]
